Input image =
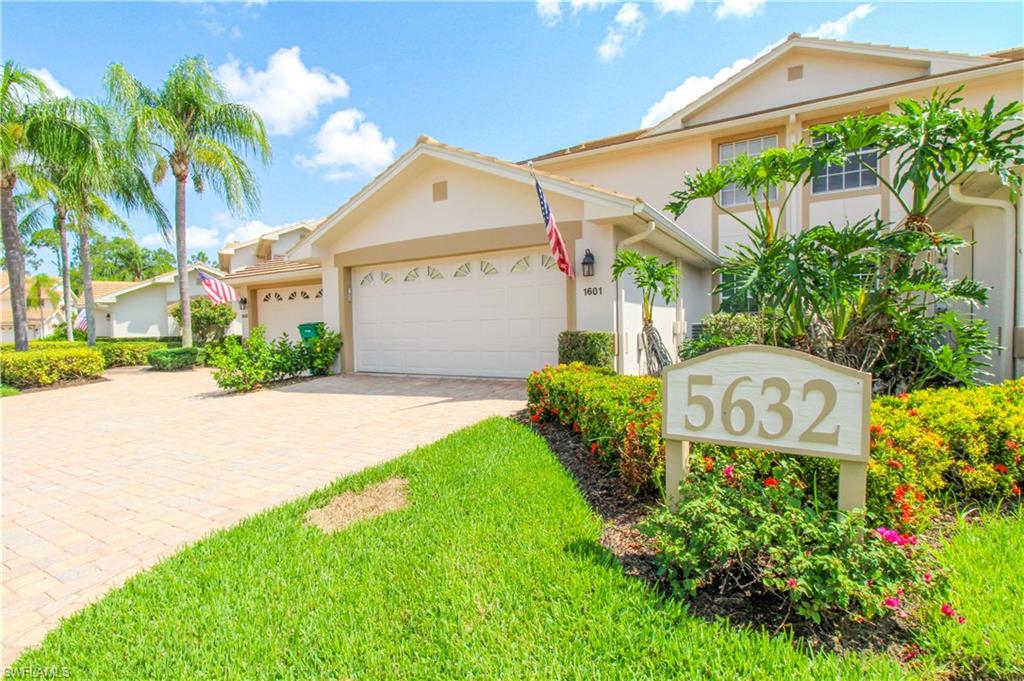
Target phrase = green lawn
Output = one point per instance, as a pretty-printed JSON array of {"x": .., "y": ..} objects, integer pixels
[
  {"x": 7, "y": 391},
  {"x": 493, "y": 571},
  {"x": 986, "y": 564}
]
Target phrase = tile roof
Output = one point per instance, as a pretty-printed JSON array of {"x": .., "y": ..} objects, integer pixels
[
  {"x": 104, "y": 288},
  {"x": 275, "y": 265}
]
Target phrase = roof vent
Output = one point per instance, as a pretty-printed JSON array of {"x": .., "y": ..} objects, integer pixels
[
  {"x": 796, "y": 72},
  {"x": 441, "y": 190}
]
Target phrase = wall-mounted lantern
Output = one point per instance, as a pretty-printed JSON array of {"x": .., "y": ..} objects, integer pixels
[
  {"x": 587, "y": 265},
  {"x": 242, "y": 302}
]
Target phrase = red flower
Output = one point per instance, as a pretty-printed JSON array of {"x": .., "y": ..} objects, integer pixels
[
  {"x": 771, "y": 482},
  {"x": 593, "y": 448},
  {"x": 968, "y": 469},
  {"x": 535, "y": 418},
  {"x": 893, "y": 463},
  {"x": 947, "y": 610},
  {"x": 1001, "y": 468},
  {"x": 1015, "y": 489},
  {"x": 1012, "y": 445},
  {"x": 912, "y": 412}
]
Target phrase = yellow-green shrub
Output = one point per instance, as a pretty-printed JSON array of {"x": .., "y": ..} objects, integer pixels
[
  {"x": 129, "y": 353},
  {"x": 35, "y": 368}
]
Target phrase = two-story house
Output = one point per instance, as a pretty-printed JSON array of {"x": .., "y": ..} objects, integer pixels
[{"x": 440, "y": 264}]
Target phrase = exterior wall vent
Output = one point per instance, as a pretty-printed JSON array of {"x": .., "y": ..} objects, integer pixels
[
  {"x": 441, "y": 190},
  {"x": 796, "y": 72}
]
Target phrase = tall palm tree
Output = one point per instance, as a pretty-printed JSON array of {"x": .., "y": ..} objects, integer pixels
[
  {"x": 191, "y": 128},
  {"x": 80, "y": 186},
  {"x": 24, "y": 129},
  {"x": 42, "y": 289}
]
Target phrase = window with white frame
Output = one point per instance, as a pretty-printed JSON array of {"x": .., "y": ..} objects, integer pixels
[
  {"x": 734, "y": 195},
  {"x": 850, "y": 175}
]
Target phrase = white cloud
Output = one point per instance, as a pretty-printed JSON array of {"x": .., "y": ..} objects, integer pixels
[
  {"x": 579, "y": 6},
  {"x": 694, "y": 87},
  {"x": 627, "y": 26},
  {"x": 673, "y": 6},
  {"x": 348, "y": 146},
  {"x": 739, "y": 8},
  {"x": 250, "y": 229},
  {"x": 51, "y": 81},
  {"x": 236, "y": 32},
  {"x": 549, "y": 11},
  {"x": 840, "y": 27},
  {"x": 249, "y": 4},
  {"x": 196, "y": 238},
  {"x": 287, "y": 94}
]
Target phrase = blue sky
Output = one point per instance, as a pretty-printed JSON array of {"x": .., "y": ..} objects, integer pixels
[{"x": 347, "y": 87}]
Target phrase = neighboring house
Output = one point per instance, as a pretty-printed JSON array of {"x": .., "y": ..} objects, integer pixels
[
  {"x": 142, "y": 308},
  {"x": 277, "y": 293},
  {"x": 41, "y": 322},
  {"x": 440, "y": 264}
]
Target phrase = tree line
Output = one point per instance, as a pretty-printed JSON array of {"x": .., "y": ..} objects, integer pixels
[{"x": 80, "y": 164}]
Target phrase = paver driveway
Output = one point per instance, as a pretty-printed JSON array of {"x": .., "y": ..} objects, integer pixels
[{"x": 103, "y": 480}]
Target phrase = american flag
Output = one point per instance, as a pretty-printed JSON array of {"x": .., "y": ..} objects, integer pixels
[
  {"x": 81, "y": 323},
  {"x": 554, "y": 236},
  {"x": 217, "y": 290}
]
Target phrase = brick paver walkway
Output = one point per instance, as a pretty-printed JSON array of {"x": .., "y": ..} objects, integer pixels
[{"x": 103, "y": 480}]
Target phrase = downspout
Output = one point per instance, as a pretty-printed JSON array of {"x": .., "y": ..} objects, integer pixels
[
  {"x": 1012, "y": 224},
  {"x": 620, "y": 293}
]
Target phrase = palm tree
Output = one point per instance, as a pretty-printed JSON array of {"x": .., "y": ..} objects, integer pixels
[
  {"x": 654, "y": 278},
  {"x": 79, "y": 186},
  {"x": 191, "y": 128},
  {"x": 42, "y": 289},
  {"x": 25, "y": 130}
]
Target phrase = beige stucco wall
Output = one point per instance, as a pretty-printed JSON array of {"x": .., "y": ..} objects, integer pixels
[{"x": 140, "y": 313}]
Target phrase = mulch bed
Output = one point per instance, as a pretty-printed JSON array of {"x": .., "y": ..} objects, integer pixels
[
  {"x": 732, "y": 595},
  {"x": 63, "y": 384}
]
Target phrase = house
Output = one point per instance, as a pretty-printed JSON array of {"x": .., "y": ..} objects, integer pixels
[
  {"x": 275, "y": 292},
  {"x": 41, "y": 321},
  {"x": 142, "y": 309},
  {"x": 440, "y": 264}
]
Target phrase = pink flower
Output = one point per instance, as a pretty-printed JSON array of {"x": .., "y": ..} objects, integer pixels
[
  {"x": 960, "y": 619},
  {"x": 894, "y": 537},
  {"x": 791, "y": 583},
  {"x": 891, "y": 602},
  {"x": 927, "y": 578},
  {"x": 728, "y": 472},
  {"x": 947, "y": 610}
]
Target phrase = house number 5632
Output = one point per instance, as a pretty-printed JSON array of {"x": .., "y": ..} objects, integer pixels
[{"x": 739, "y": 415}]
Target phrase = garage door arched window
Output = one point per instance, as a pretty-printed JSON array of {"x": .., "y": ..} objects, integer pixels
[
  {"x": 522, "y": 264},
  {"x": 463, "y": 271},
  {"x": 434, "y": 273},
  {"x": 488, "y": 268},
  {"x": 413, "y": 274},
  {"x": 548, "y": 262},
  {"x": 367, "y": 280},
  {"x": 386, "y": 278}
]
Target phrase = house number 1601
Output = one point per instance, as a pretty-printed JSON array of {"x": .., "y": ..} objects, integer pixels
[
  {"x": 592, "y": 291},
  {"x": 738, "y": 414}
]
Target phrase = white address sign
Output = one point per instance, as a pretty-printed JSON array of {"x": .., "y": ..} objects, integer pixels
[{"x": 769, "y": 398}]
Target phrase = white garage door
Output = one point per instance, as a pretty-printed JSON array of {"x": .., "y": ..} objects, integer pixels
[
  {"x": 281, "y": 310},
  {"x": 494, "y": 314}
]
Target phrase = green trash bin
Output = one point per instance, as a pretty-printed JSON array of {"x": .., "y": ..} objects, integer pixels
[{"x": 309, "y": 330}]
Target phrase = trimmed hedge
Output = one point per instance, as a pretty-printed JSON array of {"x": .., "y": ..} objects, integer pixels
[
  {"x": 925, "y": 445},
  {"x": 34, "y": 368},
  {"x": 596, "y": 348},
  {"x": 173, "y": 359},
  {"x": 130, "y": 353}
]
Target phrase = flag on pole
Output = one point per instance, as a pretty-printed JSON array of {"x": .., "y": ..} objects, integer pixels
[
  {"x": 81, "y": 323},
  {"x": 554, "y": 236},
  {"x": 217, "y": 290}
]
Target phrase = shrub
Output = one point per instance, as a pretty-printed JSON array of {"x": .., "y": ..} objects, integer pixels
[
  {"x": 321, "y": 351},
  {"x": 596, "y": 348},
  {"x": 173, "y": 359},
  {"x": 745, "y": 514},
  {"x": 47, "y": 345},
  {"x": 924, "y": 445},
  {"x": 129, "y": 353},
  {"x": 60, "y": 333},
  {"x": 722, "y": 330},
  {"x": 209, "y": 319},
  {"x": 35, "y": 368}
]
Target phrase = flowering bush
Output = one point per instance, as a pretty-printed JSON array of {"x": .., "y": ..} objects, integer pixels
[
  {"x": 966, "y": 441},
  {"x": 741, "y": 511}
]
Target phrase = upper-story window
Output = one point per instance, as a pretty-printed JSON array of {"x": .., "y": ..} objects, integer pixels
[
  {"x": 850, "y": 175},
  {"x": 734, "y": 195}
]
